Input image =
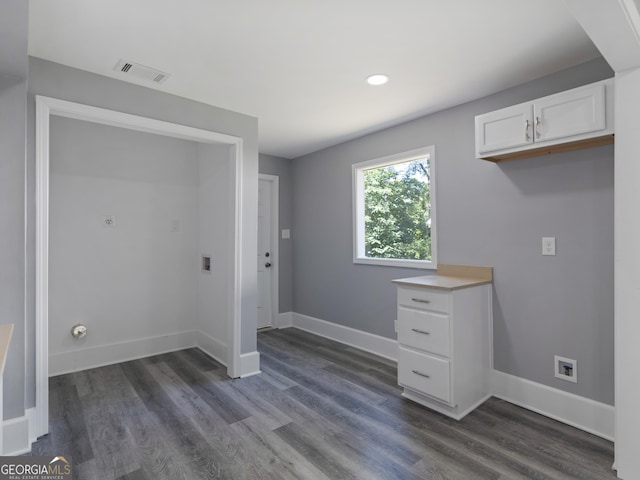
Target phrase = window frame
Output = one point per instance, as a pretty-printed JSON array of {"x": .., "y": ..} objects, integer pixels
[{"x": 357, "y": 172}]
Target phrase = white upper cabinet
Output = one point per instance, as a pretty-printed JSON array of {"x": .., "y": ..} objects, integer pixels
[
  {"x": 506, "y": 128},
  {"x": 578, "y": 118},
  {"x": 570, "y": 113}
]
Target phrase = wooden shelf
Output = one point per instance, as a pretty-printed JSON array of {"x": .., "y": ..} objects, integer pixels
[{"x": 563, "y": 147}]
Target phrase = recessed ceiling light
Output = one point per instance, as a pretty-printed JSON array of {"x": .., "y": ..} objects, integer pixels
[{"x": 377, "y": 79}]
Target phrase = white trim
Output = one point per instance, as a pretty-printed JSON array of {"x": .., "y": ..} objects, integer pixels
[
  {"x": 212, "y": 347},
  {"x": 17, "y": 434},
  {"x": 250, "y": 364},
  {"x": 101, "y": 355},
  {"x": 284, "y": 320},
  {"x": 357, "y": 192},
  {"x": 45, "y": 108},
  {"x": 32, "y": 417},
  {"x": 234, "y": 330},
  {"x": 275, "y": 243},
  {"x": 442, "y": 408},
  {"x": 382, "y": 346},
  {"x": 1, "y": 417},
  {"x": 580, "y": 412},
  {"x": 631, "y": 13},
  {"x": 42, "y": 266}
]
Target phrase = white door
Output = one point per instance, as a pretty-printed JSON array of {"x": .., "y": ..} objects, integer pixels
[{"x": 265, "y": 253}]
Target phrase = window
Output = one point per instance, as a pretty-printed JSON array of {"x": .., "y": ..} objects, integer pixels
[{"x": 394, "y": 210}]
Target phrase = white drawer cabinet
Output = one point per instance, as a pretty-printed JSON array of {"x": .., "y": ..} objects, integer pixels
[
  {"x": 424, "y": 299},
  {"x": 427, "y": 331},
  {"x": 578, "y": 118},
  {"x": 445, "y": 352},
  {"x": 424, "y": 373}
]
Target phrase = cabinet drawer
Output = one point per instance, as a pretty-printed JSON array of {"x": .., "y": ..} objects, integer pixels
[
  {"x": 424, "y": 373},
  {"x": 424, "y": 330},
  {"x": 424, "y": 299}
]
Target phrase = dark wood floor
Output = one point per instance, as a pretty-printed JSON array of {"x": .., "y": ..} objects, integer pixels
[{"x": 319, "y": 410}]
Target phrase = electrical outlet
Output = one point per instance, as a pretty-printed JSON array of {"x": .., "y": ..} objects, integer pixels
[
  {"x": 565, "y": 369},
  {"x": 548, "y": 245},
  {"x": 109, "y": 221}
]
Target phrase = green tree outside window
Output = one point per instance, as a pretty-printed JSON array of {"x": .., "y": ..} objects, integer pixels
[{"x": 397, "y": 211}]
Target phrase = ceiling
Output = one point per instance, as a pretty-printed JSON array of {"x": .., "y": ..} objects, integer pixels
[{"x": 300, "y": 65}]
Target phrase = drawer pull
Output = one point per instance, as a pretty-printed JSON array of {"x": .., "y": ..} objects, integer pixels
[
  {"x": 420, "y": 300},
  {"x": 424, "y": 332},
  {"x": 421, "y": 374}
]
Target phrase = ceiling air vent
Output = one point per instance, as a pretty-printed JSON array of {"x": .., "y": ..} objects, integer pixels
[{"x": 141, "y": 72}]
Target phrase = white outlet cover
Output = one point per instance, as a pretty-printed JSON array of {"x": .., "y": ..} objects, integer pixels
[
  {"x": 548, "y": 245},
  {"x": 560, "y": 372},
  {"x": 286, "y": 233}
]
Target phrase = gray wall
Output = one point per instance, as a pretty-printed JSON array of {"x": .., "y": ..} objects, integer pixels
[
  {"x": 139, "y": 278},
  {"x": 13, "y": 38},
  {"x": 13, "y": 88},
  {"x": 215, "y": 178},
  {"x": 488, "y": 214},
  {"x": 58, "y": 81},
  {"x": 281, "y": 167}
]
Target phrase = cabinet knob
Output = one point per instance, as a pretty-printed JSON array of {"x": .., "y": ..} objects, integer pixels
[{"x": 526, "y": 130}]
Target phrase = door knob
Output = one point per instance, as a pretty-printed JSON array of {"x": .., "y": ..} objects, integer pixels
[{"x": 267, "y": 264}]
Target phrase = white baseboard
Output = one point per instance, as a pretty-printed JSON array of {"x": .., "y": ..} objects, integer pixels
[
  {"x": 83, "y": 359},
  {"x": 249, "y": 364},
  {"x": 283, "y": 320},
  {"x": 580, "y": 412},
  {"x": 382, "y": 346},
  {"x": 212, "y": 347},
  {"x": 18, "y": 434},
  {"x": 99, "y": 356}
]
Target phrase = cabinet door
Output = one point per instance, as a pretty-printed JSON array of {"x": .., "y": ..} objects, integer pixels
[
  {"x": 575, "y": 112},
  {"x": 506, "y": 128}
]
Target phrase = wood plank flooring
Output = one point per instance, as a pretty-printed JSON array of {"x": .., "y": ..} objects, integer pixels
[{"x": 319, "y": 410}]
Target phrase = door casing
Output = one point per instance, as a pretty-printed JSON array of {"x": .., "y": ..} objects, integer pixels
[{"x": 47, "y": 107}]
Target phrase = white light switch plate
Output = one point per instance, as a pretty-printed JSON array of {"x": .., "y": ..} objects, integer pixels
[{"x": 548, "y": 245}]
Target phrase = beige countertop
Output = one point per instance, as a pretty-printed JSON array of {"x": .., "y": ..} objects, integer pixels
[
  {"x": 5, "y": 337},
  {"x": 451, "y": 277}
]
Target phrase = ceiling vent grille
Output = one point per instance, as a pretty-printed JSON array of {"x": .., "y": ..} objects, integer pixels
[{"x": 141, "y": 72}]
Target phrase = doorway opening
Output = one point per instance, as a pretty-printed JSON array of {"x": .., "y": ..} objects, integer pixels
[{"x": 48, "y": 107}]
